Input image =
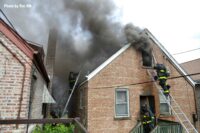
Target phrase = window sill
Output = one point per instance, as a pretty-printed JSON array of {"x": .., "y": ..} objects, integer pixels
[
  {"x": 122, "y": 118},
  {"x": 147, "y": 67},
  {"x": 167, "y": 117}
]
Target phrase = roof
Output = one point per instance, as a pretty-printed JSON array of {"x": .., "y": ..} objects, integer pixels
[
  {"x": 33, "y": 51},
  {"x": 108, "y": 61},
  {"x": 192, "y": 67},
  {"x": 124, "y": 48},
  {"x": 16, "y": 38},
  {"x": 170, "y": 58}
]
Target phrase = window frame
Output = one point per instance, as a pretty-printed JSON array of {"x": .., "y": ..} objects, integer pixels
[
  {"x": 164, "y": 102},
  {"x": 127, "y": 102}
]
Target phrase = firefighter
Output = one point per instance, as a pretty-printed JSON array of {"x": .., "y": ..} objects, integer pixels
[
  {"x": 148, "y": 119},
  {"x": 72, "y": 79},
  {"x": 162, "y": 75}
]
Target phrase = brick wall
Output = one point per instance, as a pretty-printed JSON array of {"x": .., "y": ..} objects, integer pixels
[
  {"x": 182, "y": 91},
  {"x": 127, "y": 69},
  {"x": 11, "y": 79}
]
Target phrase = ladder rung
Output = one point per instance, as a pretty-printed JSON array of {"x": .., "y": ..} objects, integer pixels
[
  {"x": 184, "y": 121},
  {"x": 180, "y": 113},
  {"x": 176, "y": 108}
]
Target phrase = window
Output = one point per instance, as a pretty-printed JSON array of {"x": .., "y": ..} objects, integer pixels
[
  {"x": 147, "y": 59},
  {"x": 121, "y": 103},
  {"x": 164, "y": 107}
]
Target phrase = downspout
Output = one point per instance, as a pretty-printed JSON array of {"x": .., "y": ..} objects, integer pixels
[
  {"x": 30, "y": 97},
  {"x": 23, "y": 81}
]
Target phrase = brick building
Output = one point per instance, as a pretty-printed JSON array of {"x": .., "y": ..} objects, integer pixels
[
  {"x": 98, "y": 98},
  {"x": 23, "y": 79},
  {"x": 193, "y": 67}
]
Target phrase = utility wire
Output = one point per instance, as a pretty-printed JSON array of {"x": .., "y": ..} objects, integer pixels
[
  {"x": 145, "y": 82},
  {"x": 7, "y": 19},
  {"x": 186, "y": 51}
]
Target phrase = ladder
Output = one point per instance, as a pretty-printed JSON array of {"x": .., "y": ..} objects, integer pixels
[
  {"x": 176, "y": 109},
  {"x": 67, "y": 103}
]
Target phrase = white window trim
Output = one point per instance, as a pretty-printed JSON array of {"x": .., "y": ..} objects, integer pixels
[
  {"x": 128, "y": 102},
  {"x": 164, "y": 113}
]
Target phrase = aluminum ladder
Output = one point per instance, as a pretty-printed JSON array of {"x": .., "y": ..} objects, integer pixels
[
  {"x": 176, "y": 109},
  {"x": 67, "y": 103}
]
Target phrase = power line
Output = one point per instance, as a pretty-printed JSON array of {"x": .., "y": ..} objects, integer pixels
[
  {"x": 187, "y": 51},
  {"x": 7, "y": 19},
  {"x": 145, "y": 82}
]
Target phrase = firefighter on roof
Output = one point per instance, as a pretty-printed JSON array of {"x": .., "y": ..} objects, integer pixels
[
  {"x": 162, "y": 75},
  {"x": 148, "y": 119}
]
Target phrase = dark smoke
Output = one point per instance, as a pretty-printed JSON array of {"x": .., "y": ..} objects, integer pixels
[
  {"x": 140, "y": 41},
  {"x": 89, "y": 32}
]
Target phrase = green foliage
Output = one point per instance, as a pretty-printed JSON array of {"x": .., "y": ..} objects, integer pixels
[{"x": 58, "y": 128}]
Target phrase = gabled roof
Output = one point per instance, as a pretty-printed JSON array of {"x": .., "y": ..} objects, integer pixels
[
  {"x": 16, "y": 38},
  {"x": 32, "y": 51},
  {"x": 108, "y": 61},
  {"x": 170, "y": 58},
  {"x": 124, "y": 48}
]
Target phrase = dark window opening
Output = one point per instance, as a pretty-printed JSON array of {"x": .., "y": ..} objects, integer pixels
[
  {"x": 44, "y": 110},
  {"x": 147, "y": 59},
  {"x": 149, "y": 101}
]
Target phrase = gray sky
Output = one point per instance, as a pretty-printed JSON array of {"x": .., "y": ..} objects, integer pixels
[{"x": 175, "y": 23}]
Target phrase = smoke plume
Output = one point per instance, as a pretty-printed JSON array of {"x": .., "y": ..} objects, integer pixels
[
  {"x": 89, "y": 32},
  {"x": 140, "y": 41}
]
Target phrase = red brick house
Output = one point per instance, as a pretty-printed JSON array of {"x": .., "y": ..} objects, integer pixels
[
  {"x": 23, "y": 79},
  {"x": 110, "y": 99}
]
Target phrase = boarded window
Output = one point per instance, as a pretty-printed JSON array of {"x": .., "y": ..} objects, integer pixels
[{"x": 121, "y": 103}]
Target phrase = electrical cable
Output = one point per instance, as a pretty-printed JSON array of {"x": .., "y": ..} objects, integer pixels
[
  {"x": 186, "y": 51},
  {"x": 7, "y": 19},
  {"x": 145, "y": 82}
]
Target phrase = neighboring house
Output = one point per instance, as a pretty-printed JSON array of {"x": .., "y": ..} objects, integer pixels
[
  {"x": 192, "y": 67},
  {"x": 23, "y": 79},
  {"x": 110, "y": 99}
]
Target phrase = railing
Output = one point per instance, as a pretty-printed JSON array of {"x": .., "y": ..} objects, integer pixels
[
  {"x": 168, "y": 129},
  {"x": 79, "y": 128},
  {"x": 137, "y": 129}
]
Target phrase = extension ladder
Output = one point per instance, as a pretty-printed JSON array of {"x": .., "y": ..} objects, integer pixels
[
  {"x": 67, "y": 103},
  {"x": 176, "y": 109}
]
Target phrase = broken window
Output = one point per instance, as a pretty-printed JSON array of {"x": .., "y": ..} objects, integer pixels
[
  {"x": 147, "y": 59},
  {"x": 121, "y": 103}
]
